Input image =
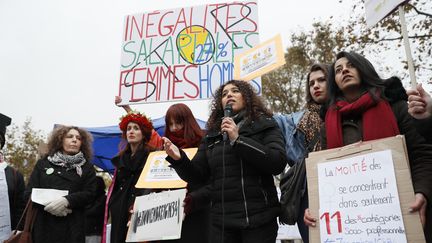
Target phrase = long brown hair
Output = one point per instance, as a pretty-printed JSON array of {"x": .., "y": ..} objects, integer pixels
[
  {"x": 55, "y": 142},
  {"x": 254, "y": 105},
  {"x": 181, "y": 114}
]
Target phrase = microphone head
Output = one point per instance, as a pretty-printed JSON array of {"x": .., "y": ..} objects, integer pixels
[{"x": 228, "y": 110}]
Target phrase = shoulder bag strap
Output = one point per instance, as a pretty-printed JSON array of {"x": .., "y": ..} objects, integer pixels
[{"x": 23, "y": 213}]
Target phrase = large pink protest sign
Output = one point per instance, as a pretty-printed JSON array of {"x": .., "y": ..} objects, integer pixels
[{"x": 184, "y": 53}]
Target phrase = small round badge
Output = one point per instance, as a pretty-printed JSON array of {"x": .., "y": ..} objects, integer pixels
[{"x": 49, "y": 171}]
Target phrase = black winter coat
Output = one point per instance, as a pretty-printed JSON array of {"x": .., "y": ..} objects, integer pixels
[
  {"x": 16, "y": 187},
  {"x": 243, "y": 172},
  {"x": 69, "y": 229},
  {"x": 128, "y": 170}
]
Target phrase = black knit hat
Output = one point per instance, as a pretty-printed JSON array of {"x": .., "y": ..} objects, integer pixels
[{"x": 4, "y": 122}]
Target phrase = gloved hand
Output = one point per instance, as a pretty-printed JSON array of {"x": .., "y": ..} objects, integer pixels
[{"x": 58, "y": 207}]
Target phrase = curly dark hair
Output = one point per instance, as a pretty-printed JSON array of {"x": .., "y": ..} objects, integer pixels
[
  {"x": 254, "y": 104},
  {"x": 55, "y": 142}
]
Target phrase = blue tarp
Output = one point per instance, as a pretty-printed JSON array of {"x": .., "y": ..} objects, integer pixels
[{"x": 106, "y": 141}]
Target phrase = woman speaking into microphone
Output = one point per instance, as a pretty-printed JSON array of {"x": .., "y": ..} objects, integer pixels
[{"x": 241, "y": 167}]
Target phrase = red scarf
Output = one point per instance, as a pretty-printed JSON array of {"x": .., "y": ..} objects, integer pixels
[
  {"x": 178, "y": 139},
  {"x": 378, "y": 120}
]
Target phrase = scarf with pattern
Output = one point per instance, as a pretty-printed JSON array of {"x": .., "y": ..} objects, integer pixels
[
  {"x": 68, "y": 161},
  {"x": 310, "y": 124}
]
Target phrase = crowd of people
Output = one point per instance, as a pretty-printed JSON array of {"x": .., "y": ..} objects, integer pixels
[{"x": 231, "y": 194}]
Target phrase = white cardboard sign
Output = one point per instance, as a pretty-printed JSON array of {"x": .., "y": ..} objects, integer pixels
[{"x": 157, "y": 216}]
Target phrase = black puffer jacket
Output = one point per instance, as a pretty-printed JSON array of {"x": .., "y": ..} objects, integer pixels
[{"x": 241, "y": 173}]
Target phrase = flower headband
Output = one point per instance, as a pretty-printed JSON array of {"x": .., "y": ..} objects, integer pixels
[{"x": 136, "y": 117}]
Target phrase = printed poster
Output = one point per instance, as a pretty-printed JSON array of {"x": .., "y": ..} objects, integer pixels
[
  {"x": 158, "y": 174},
  {"x": 259, "y": 60}
]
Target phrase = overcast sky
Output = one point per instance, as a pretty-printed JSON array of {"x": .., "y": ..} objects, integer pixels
[{"x": 60, "y": 60}]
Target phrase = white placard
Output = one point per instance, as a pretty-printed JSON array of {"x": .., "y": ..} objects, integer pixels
[
  {"x": 184, "y": 53},
  {"x": 5, "y": 222},
  {"x": 359, "y": 201},
  {"x": 160, "y": 170},
  {"x": 157, "y": 216},
  {"x": 378, "y": 9},
  {"x": 44, "y": 196}
]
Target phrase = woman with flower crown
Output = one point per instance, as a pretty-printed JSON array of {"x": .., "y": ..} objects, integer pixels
[
  {"x": 184, "y": 131},
  {"x": 66, "y": 167},
  {"x": 134, "y": 149}
]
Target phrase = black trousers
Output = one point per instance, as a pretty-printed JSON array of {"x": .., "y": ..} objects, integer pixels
[{"x": 266, "y": 233}]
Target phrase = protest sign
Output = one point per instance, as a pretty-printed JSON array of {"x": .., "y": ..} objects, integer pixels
[
  {"x": 259, "y": 60},
  {"x": 378, "y": 9},
  {"x": 158, "y": 174},
  {"x": 157, "y": 216},
  {"x": 184, "y": 53},
  {"x": 362, "y": 192}
]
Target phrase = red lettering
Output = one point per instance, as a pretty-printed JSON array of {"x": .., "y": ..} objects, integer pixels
[
  {"x": 216, "y": 14},
  {"x": 138, "y": 28},
  {"x": 169, "y": 27},
  {"x": 148, "y": 35},
  {"x": 126, "y": 28},
  {"x": 176, "y": 80},
  {"x": 183, "y": 16},
  {"x": 255, "y": 28},
  {"x": 228, "y": 17},
  {"x": 189, "y": 81}
]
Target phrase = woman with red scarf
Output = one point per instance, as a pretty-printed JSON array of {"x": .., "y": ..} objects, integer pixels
[
  {"x": 364, "y": 107},
  {"x": 183, "y": 130}
]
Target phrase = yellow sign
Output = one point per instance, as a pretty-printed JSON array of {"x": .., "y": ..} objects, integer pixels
[
  {"x": 158, "y": 174},
  {"x": 259, "y": 60}
]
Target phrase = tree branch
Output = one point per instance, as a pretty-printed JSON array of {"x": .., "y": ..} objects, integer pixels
[
  {"x": 400, "y": 38},
  {"x": 419, "y": 12}
]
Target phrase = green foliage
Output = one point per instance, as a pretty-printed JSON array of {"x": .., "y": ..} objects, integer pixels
[{"x": 21, "y": 150}]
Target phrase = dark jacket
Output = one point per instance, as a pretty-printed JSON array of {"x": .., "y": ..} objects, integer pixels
[
  {"x": 243, "y": 172},
  {"x": 69, "y": 229},
  {"x": 16, "y": 187},
  {"x": 128, "y": 170},
  {"x": 94, "y": 211},
  {"x": 424, "y": 127}
]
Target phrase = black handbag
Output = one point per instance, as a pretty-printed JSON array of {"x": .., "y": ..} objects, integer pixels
[{"x": 293, "y": 187}]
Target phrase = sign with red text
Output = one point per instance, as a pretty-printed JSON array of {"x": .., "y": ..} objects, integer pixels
[
  {"x": 362, "y": 192},
  {"x": 358, "y": 198},
  {"x": 184, "y": 53},
  {"x": 378, "y": 9}
]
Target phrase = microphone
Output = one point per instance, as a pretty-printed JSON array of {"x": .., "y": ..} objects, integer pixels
[{"x": 227, "y": 113}]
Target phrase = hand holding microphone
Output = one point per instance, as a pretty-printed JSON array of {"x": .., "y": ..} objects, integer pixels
[{"x": 228, "y": 127}]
